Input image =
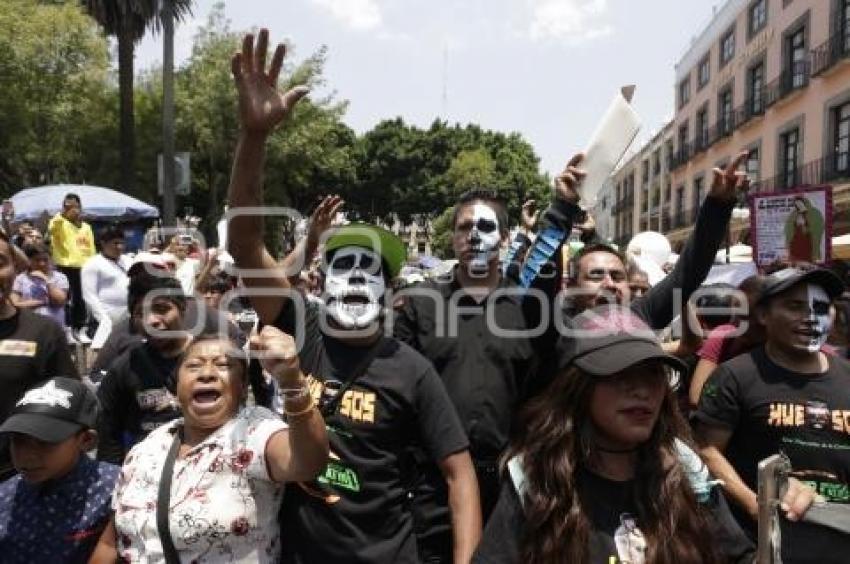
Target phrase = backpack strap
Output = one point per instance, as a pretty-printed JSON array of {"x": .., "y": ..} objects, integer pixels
[{"x": 517, "y": 475}]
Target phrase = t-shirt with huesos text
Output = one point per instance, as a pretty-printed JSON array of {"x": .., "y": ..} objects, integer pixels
[{"x": 770, "y": 409}]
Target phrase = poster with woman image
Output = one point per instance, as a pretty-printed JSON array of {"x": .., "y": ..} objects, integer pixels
[{"x": 792, "y": 227}]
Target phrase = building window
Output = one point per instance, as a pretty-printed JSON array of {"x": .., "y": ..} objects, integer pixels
[
  {"x": 699, "y": 188},
  {"x": 753, "y": 166},
  {"x": 685, "y": 91},
  {"x": 756, "y": 89},
  {"x": 644, "y": 173},
  {"x": 679, "y": 209},
  {"x": 727, "y": 47},
  {"x": 844, "y": 25},
  {"x": 702, "y": 128},
  {"x": 725, "y": 110},
  {"x": 796, "y": 65},
  {"x": 790, "y": 144},
  {"x": 757, "y": 17},
  {"x": 683, "y": 141},
  {"x": 703, "y": 72},
  {"x": 841, "y": 138}
]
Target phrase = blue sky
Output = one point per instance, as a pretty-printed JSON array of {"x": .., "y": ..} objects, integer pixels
[{"x": 544, "y": 68}]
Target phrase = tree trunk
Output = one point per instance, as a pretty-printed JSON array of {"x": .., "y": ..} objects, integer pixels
[{"x": 127, "y": 136}]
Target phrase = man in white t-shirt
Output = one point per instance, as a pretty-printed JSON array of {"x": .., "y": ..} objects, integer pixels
[
  {"x": 104, "y": 281},
  {"x": 186, "y": 267}
]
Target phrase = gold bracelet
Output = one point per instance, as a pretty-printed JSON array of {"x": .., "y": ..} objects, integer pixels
[{"x": 291, "y": 416}]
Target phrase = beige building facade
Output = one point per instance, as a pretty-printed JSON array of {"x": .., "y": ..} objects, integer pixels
[
  {"x": 641, "y": 189},
  {"x": 769, "y": 77}
]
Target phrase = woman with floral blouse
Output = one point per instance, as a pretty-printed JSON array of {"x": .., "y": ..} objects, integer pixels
[{"x": 231, "y": 462}]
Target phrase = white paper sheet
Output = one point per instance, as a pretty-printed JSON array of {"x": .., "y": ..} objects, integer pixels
[{"x": 613, "y": 135}]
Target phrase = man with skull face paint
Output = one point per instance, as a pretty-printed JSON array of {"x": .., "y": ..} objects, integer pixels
[
  {"x": 379, "y": 395},
  {"x": 484, "y": 374},
  {"x": 788, "y": 396}
]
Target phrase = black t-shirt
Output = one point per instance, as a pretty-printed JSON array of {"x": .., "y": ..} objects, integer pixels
[
  {"x": 615, "y": 535},
  {"x": 356, "y": 511},
  {"x": 32, "y": 349},
  {"x": 121, "y": 338},
  {"x": 136, "y": 396},
  {"x": 483, "y": 371},
  {"x": 807, "y": 416}
]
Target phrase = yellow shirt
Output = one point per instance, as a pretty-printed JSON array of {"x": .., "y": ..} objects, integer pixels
[{"x": 71, "y": 245}]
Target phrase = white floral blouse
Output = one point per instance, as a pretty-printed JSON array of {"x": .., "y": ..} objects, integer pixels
[{"x": 224, "y": 504}]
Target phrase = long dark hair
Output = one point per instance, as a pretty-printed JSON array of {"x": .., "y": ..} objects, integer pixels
[{"x": 552, "y": 447}]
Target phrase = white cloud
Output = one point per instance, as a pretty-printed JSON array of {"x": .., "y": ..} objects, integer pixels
[
  {"x": 573, "y": 21},
  {"x": 360, "y": 15}
]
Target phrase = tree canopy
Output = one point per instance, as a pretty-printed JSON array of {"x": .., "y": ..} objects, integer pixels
[{"x": 59, "y": 119}]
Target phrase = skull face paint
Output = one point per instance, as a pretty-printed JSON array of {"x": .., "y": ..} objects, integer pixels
[
  {"x": 819, "y": 321},
  {"x": 354, "y": 287},
  {"x": 483, "y": 238}
]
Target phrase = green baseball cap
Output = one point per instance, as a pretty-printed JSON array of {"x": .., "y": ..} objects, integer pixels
[{"x": 372, "y": 237}]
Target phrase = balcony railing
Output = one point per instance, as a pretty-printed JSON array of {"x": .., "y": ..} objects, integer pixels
[
  {"x": 703, "y": 140},
  {"x": 832, "y": 167},
  {"x": 830, "y": 52},
  {"x": 725, "y": 125},
  {"x": 681, "y": 156},
  {"x": 751, "y": 108},
  {"x": 796, "y": 77},
  {"x": 791, "y": 79}
]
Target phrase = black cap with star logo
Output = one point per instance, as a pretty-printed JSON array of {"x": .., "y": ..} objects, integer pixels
[{"x": 54, "y": 411}]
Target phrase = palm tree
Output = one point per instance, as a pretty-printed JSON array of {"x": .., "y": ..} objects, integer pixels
[{"x": 128, "y": 20}]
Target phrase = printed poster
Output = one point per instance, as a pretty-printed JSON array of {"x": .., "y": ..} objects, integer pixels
[{"x": 792, "y": 226}]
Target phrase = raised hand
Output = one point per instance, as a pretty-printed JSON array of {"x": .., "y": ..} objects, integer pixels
[
  {"x": 323, "y": 216},
  {"x": 261, "y": 106},
  {"x": 726, "y": 184},
  {"x": 529, "y": 214},
  {"x": 278, "y": 355},
  {"x": 567, "y": 183},
  {"x": 588, "y": 226}
]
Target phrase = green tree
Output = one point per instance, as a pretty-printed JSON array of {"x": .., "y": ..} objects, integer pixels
[
  {"x": 470, "y": 169},
  {"x": 441, "y": 238},
  {"x": 312, "y": 154},
  {"x": 128, "y": 20},
  {"x": 54, "y": 110},
  {"x": 410, "y": 171}
]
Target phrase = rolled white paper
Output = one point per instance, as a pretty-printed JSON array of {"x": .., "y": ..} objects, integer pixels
[{"x": 613, "y": 135}]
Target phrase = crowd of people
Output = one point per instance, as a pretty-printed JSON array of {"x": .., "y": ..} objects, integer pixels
[{"x": 518, "y": 408}]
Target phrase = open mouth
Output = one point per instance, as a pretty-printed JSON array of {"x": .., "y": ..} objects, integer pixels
[
  {"x": 355, "y": 300},
  {"x": 206, "y": 397}
]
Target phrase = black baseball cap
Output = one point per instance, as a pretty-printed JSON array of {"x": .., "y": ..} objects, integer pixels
[
  {"x": 786, "y": 278},
  {"x": 54, "y": 411},
  {"x": 608, "y": 339}
]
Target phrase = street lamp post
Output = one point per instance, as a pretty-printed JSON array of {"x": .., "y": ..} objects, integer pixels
[{"x": 168, "y": 200}]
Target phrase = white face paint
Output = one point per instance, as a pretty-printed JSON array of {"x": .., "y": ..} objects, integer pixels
[
  {"x": 354, "y": 287},
  {"x": 819, "y": 319},
  {"x": 483, "y": 237}
]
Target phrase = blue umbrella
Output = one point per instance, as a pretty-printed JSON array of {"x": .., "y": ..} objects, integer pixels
[{"x": 99, "y": 204}]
